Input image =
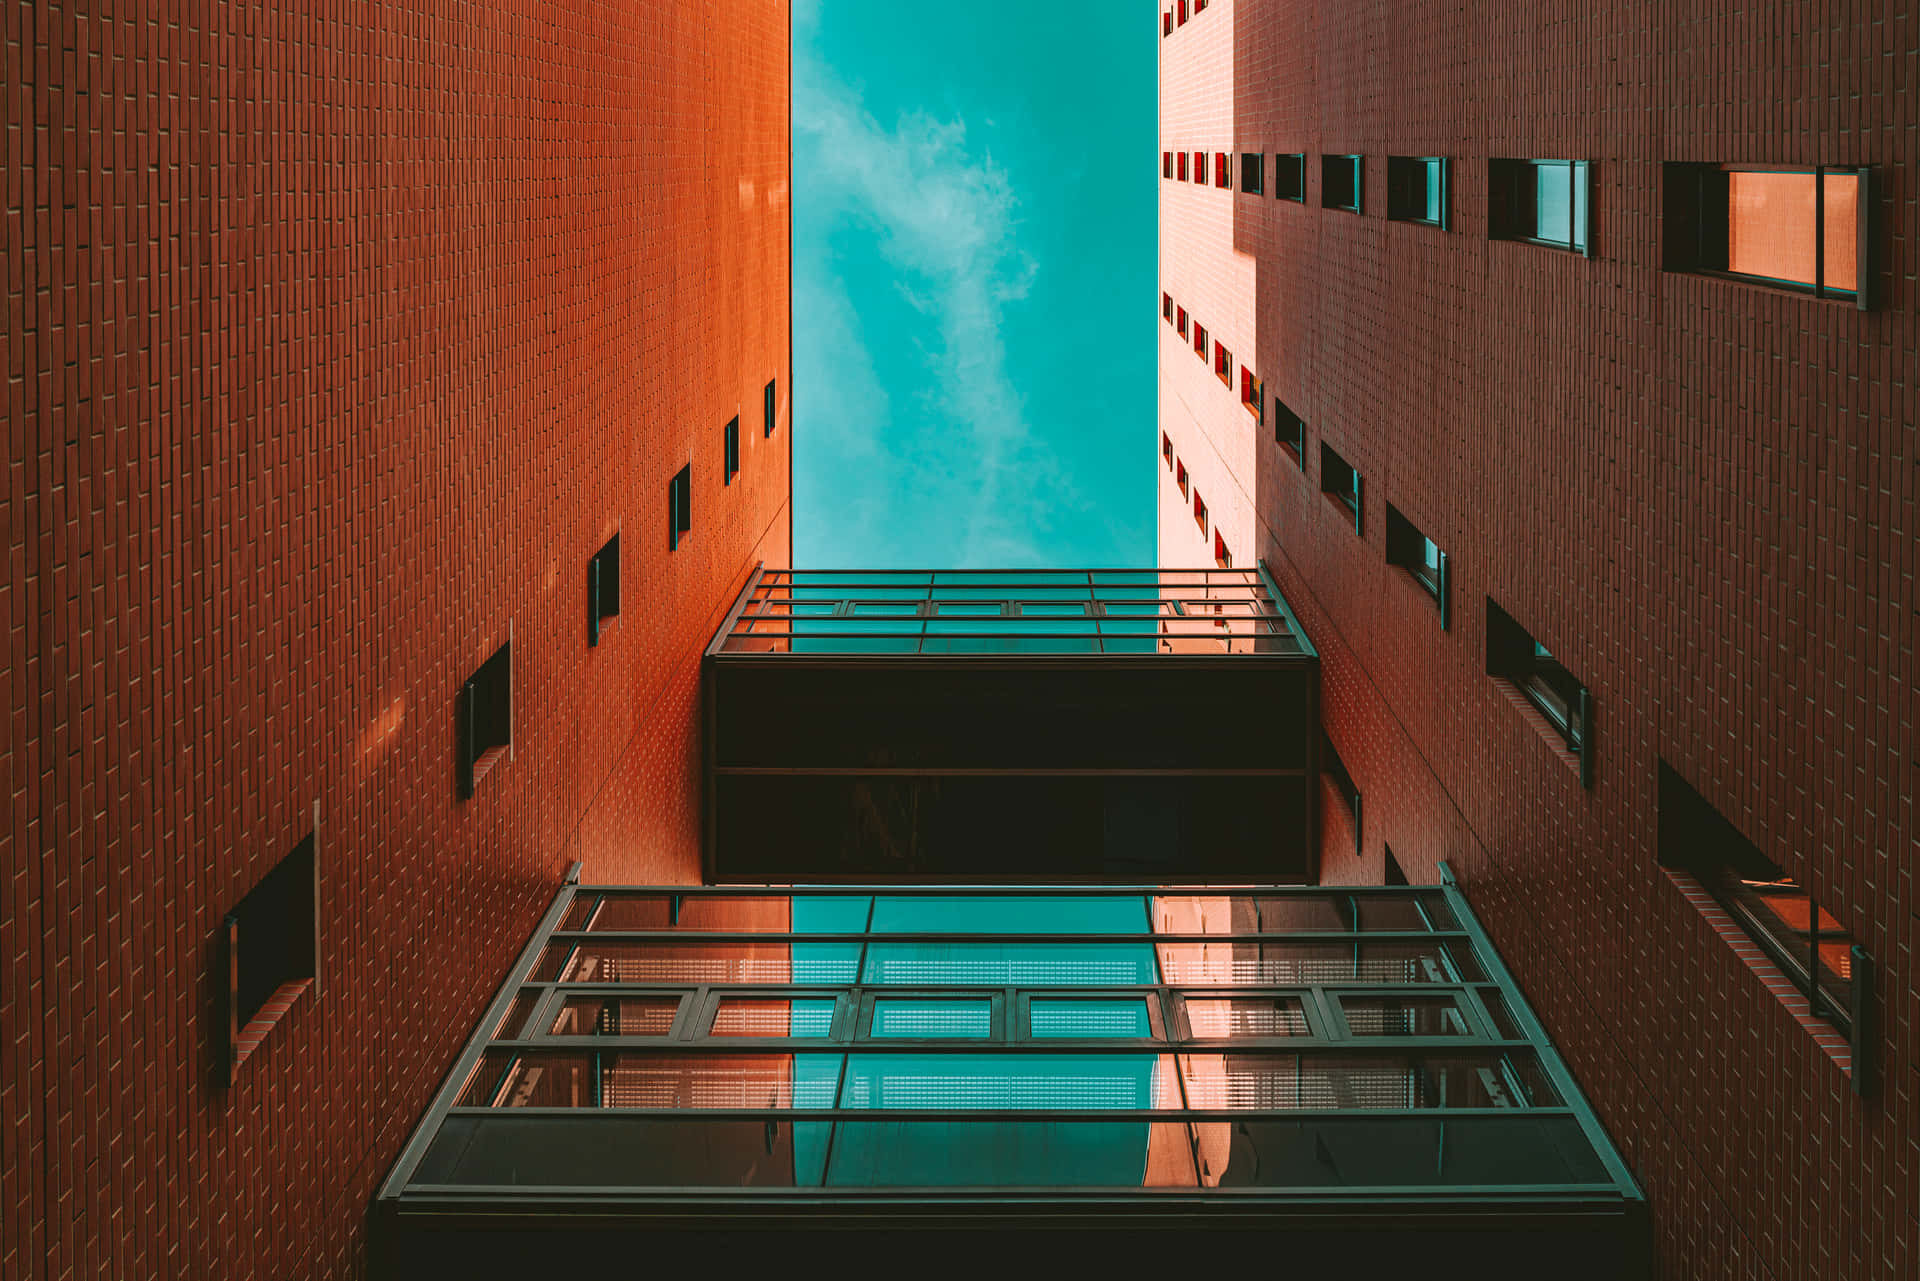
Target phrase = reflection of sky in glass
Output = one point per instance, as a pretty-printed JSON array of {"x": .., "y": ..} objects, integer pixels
[{"x": 1554, "y": 194}]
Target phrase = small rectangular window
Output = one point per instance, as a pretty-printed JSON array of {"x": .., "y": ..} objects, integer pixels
[
  {"x": 1420, "y": 556},
  {"x": 1198, "y": 5},
  {"x": 1222, "y": 170},
  {"x": 1290, "y": 176},
  {"x": 1166, "y": 164},
  {"x": 603, "y": 588},
  {"x": 1180, "y": 163},
  {"x": 730, "y": 448},
  {"x": 1166, "y": 307},
  {"x": 1807, "y": 943},
  {"x": 1200, "y": 167},
  {"x": 772, "y": 405},
  {"x": 485, "y": 718},
  {"x": 1166, "y": 24},
  {"x": 1182, "y": 9},
  {"x": 1543, "y": 202},
  {"x": 1253, "y": 172},
  {"x": 1180, "y": 476},
  {"x": 272, "y": 949},
  {"x": 1290, "y": 432},
  {"x": 1800, "y": 229},
  {"x": 1221, "y": 556},
  {"x": 1199, "y": 340},
  {"x": 1180, "y": 321},
  {"x": 1417, "y": 189},
  {"x": 1342, "y": 782},
  {"x": 1222, "y": 363},
  {"x": 1253, "y": 396},
  {"x": 679, "y": 506},
  {"x": 1394, "y": 874},
  {"x": 1515, "y": 656},
  {"x": 1199, "y": 511},
  {"x": 1166, "y": 449},
  {"x": 1340, "y": 482},
  {"x": 1340, "y": 178}
]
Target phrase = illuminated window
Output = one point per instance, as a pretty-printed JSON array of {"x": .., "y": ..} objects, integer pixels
[
  {"x": 1340, "y": 482},
  {"x": 1181, "y": 164},
  {"x": 1340, "y": 178},
  {"x": 1180, "y": 321},
  {"x": 1420, "y": 556},
  {"x": 1222, "y": 363},
  {"x": 1199, "y": 340},
  {"x": 1290, "y": 177},
  {"x": 1807, "y": 943},
  {"x": 1800, "y": 229},
  {"x": 1222, "y": 170},
  {"x": 1543, "y": 202},
  {"x": 1252, "y": 172},
  {"x": 1515, "y": 656},
  {"x": 1166, "y": 23},
  {"x": 1181, "y": 9},
  {"x": 1200, "y": 167},
  {"x": 1417, "y": 189},
  {"x": 1166, "y": 164}
]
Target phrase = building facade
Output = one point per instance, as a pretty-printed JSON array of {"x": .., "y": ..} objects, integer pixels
[
  {"x": 1559, "y": 364},
  {"x": 342, "y": 345}
]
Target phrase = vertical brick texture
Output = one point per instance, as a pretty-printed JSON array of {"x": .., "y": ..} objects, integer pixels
[
  {"x": 339, "y": 337},
  {"x": 1699, "y": 494}
]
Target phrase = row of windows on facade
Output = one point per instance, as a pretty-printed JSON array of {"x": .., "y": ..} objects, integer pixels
[
  {"x": 1803, "y": 229},
  {"x": 272, "y": 946},
  {"x": 1178, "y": 15}
]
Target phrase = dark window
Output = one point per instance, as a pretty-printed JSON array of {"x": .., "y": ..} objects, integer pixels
[
  {"x": 1222, "y": 170},
  {"x": 1394, "y": 874},
  {"x": 1166, "y": 164},
  {"x": 1808, "y": 944},
  {"x": 486, "y": 718},
  {"x": 679, "y": 506},
  {"x": 1340, "y": 482},
  {"x": 1420, "y": 556},
  {"x": 1800, "y": 229},
  {"x": 773, "y": 404},
  {"x": 1222, "y": 363},
  {"x": 1515, "y": 656},
  {"x": 730, "y": 446},
  {"x": 1166, "y": 307},
  {"x": 272, "y": 950},
  {"x": 1546, "y": 202},
  {"x": 603, "y": 587},
  {"x": 1199, "y": 340},
  {"x": 1290, "y": 176},
  {"x": 1343, "y": 786},
  {"x": 1252, "y": 172},
  {"x": 1290, "y": 432},
  {"x": 1417, "y": 189},
  {"x": 1340, "y": 182},
  {"x": 1253, "y": 395},
  {"x": 1166, "y": 448}
]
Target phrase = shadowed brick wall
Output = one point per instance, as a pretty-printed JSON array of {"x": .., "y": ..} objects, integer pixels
[
  {"x": 339, "y": 337},
  {"x": 1699, "y": 494}
]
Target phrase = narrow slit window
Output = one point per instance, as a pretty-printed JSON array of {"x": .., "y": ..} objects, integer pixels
[
  {"x": 1200, "y": 167},
  {"x": 1340, "y": 178},
  {"x": 1180, "y": 162},
  {"x": 1222, "y": 170},
  {"x": 1199, "y": 340},
  {"x": 1799, "y": 229},
  {"x": 1166, "y": 307},
  {"x": 1166, "y": 449},
  {"x": 1343, "y": 786},
  {"x": 1222, "y": 363},
  {"x": 1166, "y": 164},
  {"x": 272, "y": 950},
  {"x": 1290, "y": 176},
  {"x": 730, "y": 447},
  {"x": 603, "y": 588},
  {"x": 485, "y": 718},
  {"x": 1420, "y": 556},
  {"x": 679, "y": 506},
  {"x": 1253, "y": 395},
  {"x": 772, "y": 405},
  {"x": 1221, "y": 556},
  {"x": 1340, "y": 482},
  {"x": 1180, "y": 476},
  {"x": 1166, "y": 24},
  {"x": 1417, "y": 189},
  {"x": 1180, "y": 321},
  {"x": 1199, "y": 511},
  {"x": 1543, "y": 202},
  {"x": 1515, "y": 656}
]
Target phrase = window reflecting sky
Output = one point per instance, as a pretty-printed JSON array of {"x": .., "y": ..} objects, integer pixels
[{"x": 974, "y": 299}]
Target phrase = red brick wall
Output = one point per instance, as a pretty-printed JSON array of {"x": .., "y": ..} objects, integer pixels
[
  {"x": 1699, "y": 494},
  {"x": 338, "y": 339}
]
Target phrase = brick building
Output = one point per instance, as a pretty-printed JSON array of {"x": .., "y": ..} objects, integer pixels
[
  {"x": 340, "y": 342},
  {"x": 1652, "y": 415}
]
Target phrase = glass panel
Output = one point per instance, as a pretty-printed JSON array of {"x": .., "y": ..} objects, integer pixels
[
  {"x": 516, "y": 1016},
  {"x": 1220, "y": 1018},
  {"x": 1504, "y": 1024},
  {"x": 1433, "y": 190},
  {"x": 1125, "y": 1018},
  {"x": 712, "y": 963},
  {"x": 1010, "y": 914},
  {"x": 773, "y": 1016},
  {"x": 1285, "y": 964},
  {"x": 964, "y": 1082},
  {"x": 1011, "y": 1154},
  {"x": 1389, "y": 913},
  {"x": 616, "y": 1016},
  {"x": 649, "y": 1080},
  {"x": 733, "y": 912},
  {"x": 625, "y": 1151},
  {"x": 1403, "y": 1016},
  {"x": 960, "y": 1019},
  {"x": 1553, "y": 201},
  {"x": 1842, "y": 196},
  {"x": 1770, "y": 225},
  {"x": 1279, "y": 1081},
  {"x": 1401, "y": 1152},
  {"x": 1011, "y": 964}
]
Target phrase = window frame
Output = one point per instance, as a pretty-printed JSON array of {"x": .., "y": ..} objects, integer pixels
[
  {"x": 484, "y": 717},
  {"x": 603, "y": 587},
  {"x": 1407, "y": 548},
  {"x": 1166, "y": 306},
  {"x": 1223, "y": 170},
  {"x": 1199, "y": 511},
  {"x": 1433, "y": 170},
  {"x": 285, "y": 906},
  {"x": 1510, "y": 217},
  {"x": 679, "y": 507},
  {"x": 1685, "y": 206},
  {"x": 1344, "y": 787},
  {"x": 1282, "y": 417},
  {"x": 1222, "y": 363},
  {"x": 1180, "y": 164},
  {"x": 1166, "y": 164},
  {"x": 1349, "y": 495},
  {"x": 1199, "y": 168},
  {"x": 1199, "y": 340},
  {"x": 1253, "y": 394},
  {"x": 1294, "y": 162},
  {"x": 1358, "y": 165},
  {"x": 730, "y": 450},
  {"x": 1515, "y": 656},
  {"x": 1253, "y": 173},
  {"x": 1180, "y": 325},
  {"x": 1180, "y": 477},
  {"x": 1166, "y": 449},
  {"x": 772, "y": 406}
]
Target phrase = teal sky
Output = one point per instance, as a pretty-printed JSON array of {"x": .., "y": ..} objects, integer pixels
[{"x": 973, "y": 239}]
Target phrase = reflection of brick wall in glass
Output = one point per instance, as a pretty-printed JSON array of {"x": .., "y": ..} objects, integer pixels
[{"x": 1771, "y": 227}]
